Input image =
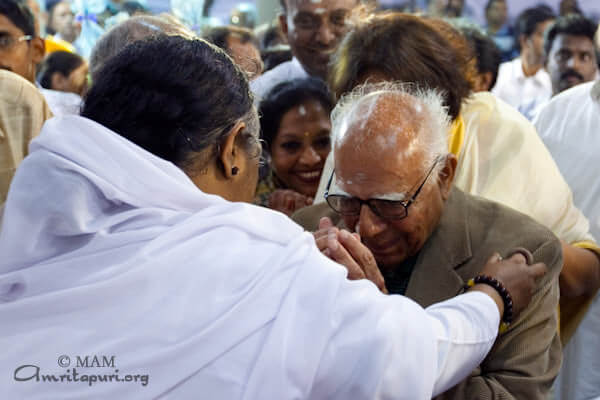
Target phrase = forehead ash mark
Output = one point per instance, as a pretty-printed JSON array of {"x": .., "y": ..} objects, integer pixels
[{"x": 302, "y": 110}]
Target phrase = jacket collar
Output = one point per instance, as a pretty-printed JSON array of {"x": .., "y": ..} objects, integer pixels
[{"x": 446, "y": 250}]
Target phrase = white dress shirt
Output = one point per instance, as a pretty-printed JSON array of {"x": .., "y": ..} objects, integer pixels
[
  {"x": 286, "y": 71},
  {"x": 569, "y": 125},
  {"x": 522, "y": 92}
]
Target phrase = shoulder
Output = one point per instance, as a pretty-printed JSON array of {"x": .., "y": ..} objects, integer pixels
[
  {"x": 283, "y": 72},
  {"x": 569, "y": 100},
  {"x": 495, "y": 227},
  {"x": 483, "y": 110}
]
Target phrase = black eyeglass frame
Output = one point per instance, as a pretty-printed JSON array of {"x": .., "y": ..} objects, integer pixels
[{"x": 370, "y": 202}]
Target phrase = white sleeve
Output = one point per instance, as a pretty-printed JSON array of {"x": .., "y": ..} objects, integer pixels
[{"x": 388, "y": 347}]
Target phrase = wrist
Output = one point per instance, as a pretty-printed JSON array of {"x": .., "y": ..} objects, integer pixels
[
  {"x": 506, "y": 304},
  {"x": 490, "y": 291}
]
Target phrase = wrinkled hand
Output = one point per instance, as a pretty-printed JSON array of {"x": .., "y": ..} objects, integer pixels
[
  {"x": 346, "y": 248},
  {"x": 288, "y": 201},
  {"x": 516, "y": 276}
]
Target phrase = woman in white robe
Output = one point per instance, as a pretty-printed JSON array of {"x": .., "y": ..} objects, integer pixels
[{"x": 119, "y": 278}]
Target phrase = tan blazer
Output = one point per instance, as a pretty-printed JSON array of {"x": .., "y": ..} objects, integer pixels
[
  {"x": 525, "y": 359},
  {"x": 23, "y": 111}
]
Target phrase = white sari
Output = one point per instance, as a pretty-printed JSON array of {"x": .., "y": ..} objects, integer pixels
[{"x": 112, "y": 253}]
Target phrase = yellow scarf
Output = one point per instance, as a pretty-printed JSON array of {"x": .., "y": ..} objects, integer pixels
[{"x": 456, "y": 136}]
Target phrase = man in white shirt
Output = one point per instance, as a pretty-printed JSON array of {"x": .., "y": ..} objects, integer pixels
[
  {"x": 523, "y": 82},
  {"x": 568, "y": 125},
  {"x": 313, "y": 29},
  {"x": 570, "y": 52}
]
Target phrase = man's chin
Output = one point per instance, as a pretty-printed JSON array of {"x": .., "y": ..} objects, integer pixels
[
  {"x": 315, "y": 67},
  {"x": 388, "y": 262}
]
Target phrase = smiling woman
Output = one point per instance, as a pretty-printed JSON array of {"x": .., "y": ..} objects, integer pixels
[{"x": 295, "y": 127}]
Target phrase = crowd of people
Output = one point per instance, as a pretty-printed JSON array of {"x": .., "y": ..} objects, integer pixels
[{"x": 352, "y": 201}]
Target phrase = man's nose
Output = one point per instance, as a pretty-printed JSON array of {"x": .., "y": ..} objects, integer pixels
[
  {"x": 574, "y": 63},
  {"x": 309, "y": 156},
  {"x": 370, "y": 224},
  {"x": 325, "y": 34}
]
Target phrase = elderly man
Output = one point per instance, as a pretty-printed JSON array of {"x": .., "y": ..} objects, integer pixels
[
  {"x": 570, "y": 53},
  {"x": 574, "y": 143},
  {"x": 313, "y": 29},
  {"x": 393, "y": 187},
  {"x": 500, "y": 155}
]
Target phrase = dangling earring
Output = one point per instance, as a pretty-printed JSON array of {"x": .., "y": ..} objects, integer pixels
[{"x": 234, "y": 170}]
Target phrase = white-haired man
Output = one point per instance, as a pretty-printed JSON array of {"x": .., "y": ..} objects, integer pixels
[{"x": 392, "y": 186}]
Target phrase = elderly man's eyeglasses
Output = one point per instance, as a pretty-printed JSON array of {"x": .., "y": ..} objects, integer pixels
[
  {"x": 387, "y": 209},
  {"x": 8, "y": 41}
]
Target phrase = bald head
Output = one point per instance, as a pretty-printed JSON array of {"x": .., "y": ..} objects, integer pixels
[
  {"x": 390, "y": 151},
  {"x": 129, "y": 31},
  {"x": 390, "y": 126}
]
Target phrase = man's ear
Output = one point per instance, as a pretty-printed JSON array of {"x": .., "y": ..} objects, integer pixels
[
  {"x": 230, "y": 155},
  {"x": 38, "y": 50},
  {"x": 283, "y": 25},
  {"x": 446, "y": 175}
]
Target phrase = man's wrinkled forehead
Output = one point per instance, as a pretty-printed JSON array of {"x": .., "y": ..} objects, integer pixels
[{"x": 379, "y": 119}]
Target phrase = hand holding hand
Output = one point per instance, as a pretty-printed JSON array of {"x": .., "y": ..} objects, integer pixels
[{"x": 346, "y": 248}]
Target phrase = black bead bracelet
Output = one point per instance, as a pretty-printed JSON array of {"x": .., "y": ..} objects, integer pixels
[{"x": 507, "y": 318}]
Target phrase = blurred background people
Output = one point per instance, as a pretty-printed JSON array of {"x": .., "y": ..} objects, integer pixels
[
  {"x": 523, "y": 82},
  {"x": 295, "y": 127},
  {"x": 313, "y": 30},
  {"x": 487, "y": 55},
  {"x": 570, "y": 52},
  {"x": 63, "y": 77},
  {"x": 61, "y": 21},
  {"x": 242, "y": 46},
  {"x": 496, "y": 17},
  {"x": 65, "y": 72}
]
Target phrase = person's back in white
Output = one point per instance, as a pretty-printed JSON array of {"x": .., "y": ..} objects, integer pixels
[{"x": 568, "y": 125}]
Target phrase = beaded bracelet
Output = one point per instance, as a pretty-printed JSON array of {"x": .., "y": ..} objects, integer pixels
[{"x": 506, "y": 297}]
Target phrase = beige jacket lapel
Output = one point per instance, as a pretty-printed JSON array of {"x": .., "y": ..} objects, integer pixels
[{"x": 435, "y": 276}]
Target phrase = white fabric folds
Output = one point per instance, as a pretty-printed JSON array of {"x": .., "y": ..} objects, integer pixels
[{"x": 116, "y": 268}]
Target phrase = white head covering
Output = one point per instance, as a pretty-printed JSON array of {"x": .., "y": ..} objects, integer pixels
[{"x": 109, "y": 251}]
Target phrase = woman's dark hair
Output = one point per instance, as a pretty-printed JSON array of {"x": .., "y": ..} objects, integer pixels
[
  {"x": 62, "y": 62},
  {"x": 172, "y": 96},
  {"x": 426, "y": 51},
  {"x": 285, "y": 96},
  {"x": 486, "y": 51}
]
